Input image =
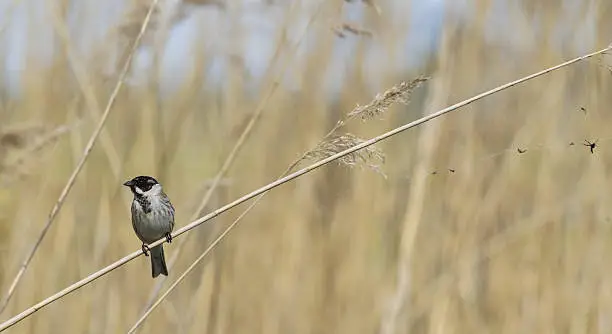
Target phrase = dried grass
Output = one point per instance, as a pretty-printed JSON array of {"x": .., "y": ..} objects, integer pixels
[{"x": 509, "y": 243}]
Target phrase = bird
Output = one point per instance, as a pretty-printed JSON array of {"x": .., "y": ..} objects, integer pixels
[{"x": 152, "y": 219}]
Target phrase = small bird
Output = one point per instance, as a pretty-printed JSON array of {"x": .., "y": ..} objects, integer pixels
[{"x": 152, "y": 219}]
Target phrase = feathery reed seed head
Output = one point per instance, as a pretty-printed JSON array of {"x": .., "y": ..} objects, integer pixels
[
  {"x": 400, "y": 93},
  {"x": 370, "y": 157}
]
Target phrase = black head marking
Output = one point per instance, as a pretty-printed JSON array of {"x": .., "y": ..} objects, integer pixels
[{"x": 144, "y": 183}]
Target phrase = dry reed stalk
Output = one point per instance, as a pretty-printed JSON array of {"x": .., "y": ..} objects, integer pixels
[
  {"x": 64, "y": 194},
  {"x": 427, "y": 141},
  {"x": 28, "y": 312},
  {"x": 167, "y": 15},
  {"x": 130, "y": 25},
  {"x": 85, "y": 84}
]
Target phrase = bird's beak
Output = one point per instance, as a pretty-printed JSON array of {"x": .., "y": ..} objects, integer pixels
[{"x": 128, "y": 183}]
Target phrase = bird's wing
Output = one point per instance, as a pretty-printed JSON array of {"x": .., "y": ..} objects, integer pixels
[
  {"x": 134, "y": 215},
  {"x": 166, "y": 201}
]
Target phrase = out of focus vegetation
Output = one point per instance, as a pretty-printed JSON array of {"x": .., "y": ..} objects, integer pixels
[{"x": 463, "y": 235}]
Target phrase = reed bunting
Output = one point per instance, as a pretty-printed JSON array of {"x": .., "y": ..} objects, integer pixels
[{"x": 152, "y": 219}]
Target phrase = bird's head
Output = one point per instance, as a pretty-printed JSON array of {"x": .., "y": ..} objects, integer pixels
[{"x": 143, "y": 186}]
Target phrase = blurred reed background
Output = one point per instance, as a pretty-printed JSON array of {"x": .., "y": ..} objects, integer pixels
[{"x": 462, "y": 234}]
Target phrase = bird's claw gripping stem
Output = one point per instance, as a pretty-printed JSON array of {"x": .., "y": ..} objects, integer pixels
[{"x": 145, "y": 250}]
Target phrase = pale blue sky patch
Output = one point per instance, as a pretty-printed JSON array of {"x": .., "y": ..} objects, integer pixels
[{"x": 250, "y": 32}]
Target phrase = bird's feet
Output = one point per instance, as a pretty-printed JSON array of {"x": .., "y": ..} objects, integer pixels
[
  {"x": 145, "y": 250},
  {"x": 168, "y": 237}
]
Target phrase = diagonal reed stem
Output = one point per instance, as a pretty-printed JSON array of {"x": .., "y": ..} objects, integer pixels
[{"x": 28, "y": 312}]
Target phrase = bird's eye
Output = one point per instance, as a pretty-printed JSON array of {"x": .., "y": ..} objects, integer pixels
[{"x": 151, "y": 181}]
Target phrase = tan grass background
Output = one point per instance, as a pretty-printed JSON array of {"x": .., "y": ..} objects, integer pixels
[{"x": 507, "y": 243}]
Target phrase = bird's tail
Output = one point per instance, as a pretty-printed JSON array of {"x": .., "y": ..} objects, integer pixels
[{"x": 158, "y": 262}]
